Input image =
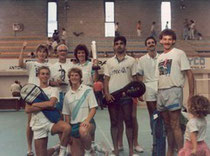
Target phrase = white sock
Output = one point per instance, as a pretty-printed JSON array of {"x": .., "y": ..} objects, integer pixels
[{"x": 62, "y": 151}]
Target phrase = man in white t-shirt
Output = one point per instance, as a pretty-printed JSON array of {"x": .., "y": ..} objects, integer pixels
[
  {"x": 32, "y": 68},
  {"x": 172, "y": 66},
  {"x": 146, "y": 70},
  {"x": 119, "y": 71},
  {"x": 40, "y": 125},
  {"x": 59, "y": 73}
]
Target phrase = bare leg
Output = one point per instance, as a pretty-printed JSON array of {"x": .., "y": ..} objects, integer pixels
[
  {"x": 135, "y": 125},
  {"x": 127, "y": 114},
  {"x": 41, "y": 146},
  {"x": 151, "y": 107},
  {"x": 175, "y": 125},
  {"x": 114, "y": 118},
  {"x": 169, "y": 133},
  {"x": 120, "y": 130},
  {"x": 29, "y": 134},
  {"x": 77, "y": 148}
]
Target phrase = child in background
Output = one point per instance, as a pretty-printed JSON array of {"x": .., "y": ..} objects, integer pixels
[{"x": 195, "y": 133}]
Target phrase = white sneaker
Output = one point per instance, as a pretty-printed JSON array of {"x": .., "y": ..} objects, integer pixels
[
  {"x": 139, "y": 149},
  {"x": 135, "y": 154}
]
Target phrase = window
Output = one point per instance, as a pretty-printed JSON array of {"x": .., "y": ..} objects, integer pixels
[
  {"x": 165, "y": 15},
  {"x": 52, "y": 18},
  {"x": 109, "y": 19}
]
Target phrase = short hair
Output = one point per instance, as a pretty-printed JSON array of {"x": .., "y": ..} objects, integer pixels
[
  {"x": 62, "y": 45},
  {"x": 199, "y": 106},
  {"x": 150, "y": 37},
  {"x": 42, "y": 47},
  {"x": 75, "y": 70},
  {"x": 81, "y": 47},
  {"x": 167, "y": 32},
  {"x": 41, "y": 68},
  {"x": 120, "y": 38}
]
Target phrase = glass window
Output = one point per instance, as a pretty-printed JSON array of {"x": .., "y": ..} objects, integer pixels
[
  {"x": 165, "y": 15},
  {"x": 109, "y": 19},
  {"x": 52, "y": 18}
]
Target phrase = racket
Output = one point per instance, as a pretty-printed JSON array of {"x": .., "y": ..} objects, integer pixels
[
  {"x": 133, "y": 89},
  {"x": 31, "y": 93}
]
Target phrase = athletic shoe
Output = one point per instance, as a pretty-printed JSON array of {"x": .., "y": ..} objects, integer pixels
[
  {"x": 135, "y": 154},
  {"x": 139, "y": 149},
  {"x": 30, "y": 154}
]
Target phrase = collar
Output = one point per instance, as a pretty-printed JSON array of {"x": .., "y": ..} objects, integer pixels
[
  {"x": 149, "y": 57},
  {"x": 73, "y": 92},
  {"x": 85, "y": 64},
  {"x": 125, "y": 58}
]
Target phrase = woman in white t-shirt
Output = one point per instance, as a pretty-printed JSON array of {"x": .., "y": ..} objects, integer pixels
[
  {"x": 79, "y": 108},
  {"x": 32, "y": 68},
  {"x": 195, "y": 133},
  {"x": 89, "y": 75}
]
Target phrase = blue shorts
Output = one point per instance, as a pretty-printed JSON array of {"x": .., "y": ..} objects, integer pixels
[
  {"x": 170, "y": 99},
  {"x": 75, "y": 129}
]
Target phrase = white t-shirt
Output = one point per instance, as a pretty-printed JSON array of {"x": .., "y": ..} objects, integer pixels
[
  {"x": 87, "y": 72},
  {"x": 71, "y": 99},
  {"x": 198, "y": 125},
  {"x": 38, "y": 119},
  {"x": 146, "y": 68},
  {"x": 170, "y": 69},
  {"x": 32, "y": 68},
  {"x": 120, "y": 73},
  {"x": 15, "y": 88},
  {"x": 59, "y": 71}
]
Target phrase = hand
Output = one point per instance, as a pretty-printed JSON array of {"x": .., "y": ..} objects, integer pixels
[
  {"x": 95, "y": 61},
  {"x": 109, "y": 98},
  {"x": 141, "y": 99},
  {"x": 85, "y": 124},
  {"x": 59, "y": 82},
  {"x": 193, "y": 153}
]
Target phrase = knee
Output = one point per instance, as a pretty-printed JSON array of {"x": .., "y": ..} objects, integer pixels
[
  {"x": 175, "y": 124},
  {"x": 129, "y": 123},
  {"x": 67, "y": 128},
  {"x": 83, "y": 132},
  {"x": 114, "y": 124}
]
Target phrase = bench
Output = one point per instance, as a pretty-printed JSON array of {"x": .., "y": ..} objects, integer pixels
[{"x": 10, "y": 103}]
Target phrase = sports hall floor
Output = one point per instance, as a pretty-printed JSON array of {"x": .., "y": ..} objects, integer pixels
[{"x": 13, "y": 140}]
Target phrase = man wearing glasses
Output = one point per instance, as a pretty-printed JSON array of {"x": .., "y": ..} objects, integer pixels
[{"x": 59, "y": 72}]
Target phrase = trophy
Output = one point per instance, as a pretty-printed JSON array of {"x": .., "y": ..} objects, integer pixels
[
  {"x": 62, "y": 76},
  {"x": 94, "y": 54}
]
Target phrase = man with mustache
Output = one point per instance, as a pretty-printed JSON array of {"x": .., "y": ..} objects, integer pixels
[
  {"x": 146, "y": 72},
  {"x": 172, "y": 66}
]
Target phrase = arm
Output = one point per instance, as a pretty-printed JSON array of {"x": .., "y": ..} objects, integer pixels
[
  {"x": 31, "y": 108},
  {"x": 109, "y": 97},
  {"x": 95, "y": 75},
  {"x": 47, "y": 104},
  {"x": 55, "y": 83},
  {"x": 191, "y": 80},
  {"x": 21, "y": 63},
  {"x": 86, "y": 122},
  {"x": 67, "y": 118},
  {"x": 193, "y": 137}
]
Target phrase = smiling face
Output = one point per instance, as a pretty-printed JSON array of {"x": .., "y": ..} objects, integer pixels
[
  {"x": 62, "y": 52},
  {"x": 167, "y": 41},
  {"x": 41, "y": 55},
  {"x": 74, "y": 78},
  {"x": 151, "y": 45},
  {"x": 119, "y": 47},
  {"x": 44, "y": 75},
  {"x": 81, "y": 55}
]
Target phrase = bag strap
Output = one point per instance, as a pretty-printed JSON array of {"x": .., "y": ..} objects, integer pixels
[{"x": 79, "y": 103}]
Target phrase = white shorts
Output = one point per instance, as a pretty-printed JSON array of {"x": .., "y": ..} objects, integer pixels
[
  {"x": 42, "y": 132},
  {"x": 170, "y": 99},
  {"x": 151, "y": 91}
]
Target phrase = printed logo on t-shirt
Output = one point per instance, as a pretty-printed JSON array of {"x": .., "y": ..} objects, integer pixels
[
  {"x": 118, "y": 71},
  {"x": 165, "y": 67},
  {"x": 63, "y": 73}
]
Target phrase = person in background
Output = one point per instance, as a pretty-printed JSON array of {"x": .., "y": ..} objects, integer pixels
[{"x": 15, "y": 88}]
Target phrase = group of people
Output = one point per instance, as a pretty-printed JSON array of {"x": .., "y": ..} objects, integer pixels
[{"x": 69, "y": 88}]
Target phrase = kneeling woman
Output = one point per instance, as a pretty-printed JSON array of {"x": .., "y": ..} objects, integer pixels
[{"x": 79, "y": 108}]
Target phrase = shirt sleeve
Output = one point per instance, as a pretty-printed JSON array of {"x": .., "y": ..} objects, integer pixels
[
  {"x": 54, "y": 93},
  {"x": 185, "y": 65},
  {"x": 140, "y": 70},
  {"x": 106, "y": 71},
  {"x": 193, "y": 126}
]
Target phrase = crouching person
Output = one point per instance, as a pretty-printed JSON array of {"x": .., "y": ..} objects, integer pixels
[
  {"x": 79, "y": 108},
  {"x": 41, "y": 126}
]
